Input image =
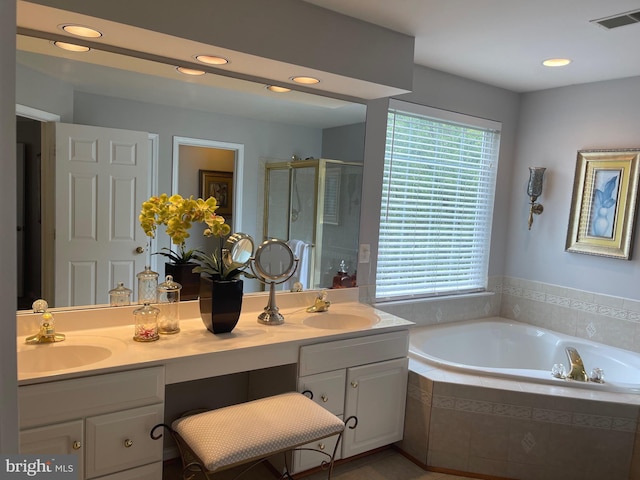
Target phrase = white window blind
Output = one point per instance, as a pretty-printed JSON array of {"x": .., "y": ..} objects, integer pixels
[{"x": 437, "y": 202}]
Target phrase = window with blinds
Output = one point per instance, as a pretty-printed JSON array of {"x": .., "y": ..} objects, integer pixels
[{"x": 437, "y": 202}]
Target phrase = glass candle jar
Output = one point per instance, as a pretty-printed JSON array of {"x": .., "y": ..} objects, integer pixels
[
  {"x": 147, "y": 285},
  {"x": 146, "y": 323},
  {"x": 169, "y": 306},
  {"x": 120, "y": 296}
]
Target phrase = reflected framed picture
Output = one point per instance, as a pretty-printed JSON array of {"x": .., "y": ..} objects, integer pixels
[
  {"x": 218, "y": 185},
  {"x": 604, "y": 204}
]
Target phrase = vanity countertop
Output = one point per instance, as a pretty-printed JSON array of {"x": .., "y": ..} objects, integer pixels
[{"x": 194, "y": 352}]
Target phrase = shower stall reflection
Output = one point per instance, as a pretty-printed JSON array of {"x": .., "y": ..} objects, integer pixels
[{"x": 314, "y": 205}]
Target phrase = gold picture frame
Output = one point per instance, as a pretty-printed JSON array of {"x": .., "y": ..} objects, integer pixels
[
  {"x": 218, "y": 185},
  {"x": 603, "y": 209}
]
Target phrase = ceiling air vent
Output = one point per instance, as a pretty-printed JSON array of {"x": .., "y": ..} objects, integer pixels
[{"x": 619, "y": 20}]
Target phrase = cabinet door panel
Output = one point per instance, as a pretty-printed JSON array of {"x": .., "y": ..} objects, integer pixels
[
  {"x": 376, "y": 394},
  {"x": 121, "y": 440},
  {"x": 327, "y": 389},
  {"x": 62, "y": 438}
]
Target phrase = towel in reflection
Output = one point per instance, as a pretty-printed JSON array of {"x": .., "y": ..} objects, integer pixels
[{"x": 302, "y": 251}]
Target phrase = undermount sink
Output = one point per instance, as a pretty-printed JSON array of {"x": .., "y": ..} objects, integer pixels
[
  {"x": 340, "y": 321},
  {"x": 63, "y": 355}
]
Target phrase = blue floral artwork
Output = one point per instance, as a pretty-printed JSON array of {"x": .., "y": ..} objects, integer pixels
[{"x": 604, "y": 203}]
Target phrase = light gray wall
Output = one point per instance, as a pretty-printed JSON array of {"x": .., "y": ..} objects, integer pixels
[
  {"x": 554, "y": 125},
  {"x": 8, "y": 292},
  {"x": 338, "y": 144},
  {"x": 447, "y": 92},
  {"x": 40, "y": 91}
]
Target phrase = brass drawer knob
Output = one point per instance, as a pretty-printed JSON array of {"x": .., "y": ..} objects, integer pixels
[{"x": 128, "y": 443}]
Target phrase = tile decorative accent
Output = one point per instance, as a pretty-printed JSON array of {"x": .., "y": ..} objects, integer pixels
[
  {"x": 539, "y": 292},
  {"x": 534, "y": 414},
  {"x": 417, "y": 393},
  {"x": 605, "y": 319},
  {"x": 528, "y": 442}
]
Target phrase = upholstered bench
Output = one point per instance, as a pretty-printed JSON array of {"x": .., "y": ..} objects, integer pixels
[{"x": 251, "y": 432}]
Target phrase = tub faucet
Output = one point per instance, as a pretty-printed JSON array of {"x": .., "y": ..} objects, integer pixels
[
  {"x": 321, "y": 303},
  {"x": 577, "y": 371}
]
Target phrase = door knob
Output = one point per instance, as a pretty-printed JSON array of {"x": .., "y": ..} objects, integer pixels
[{"x": 139, "y": 249}]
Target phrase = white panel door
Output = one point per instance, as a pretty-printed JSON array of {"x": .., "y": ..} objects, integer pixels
[{"x": 101, "y": 182}]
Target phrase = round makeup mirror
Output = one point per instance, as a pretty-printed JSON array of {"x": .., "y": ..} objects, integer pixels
[
  {"x": 274, "y": 260},
  {"x": 238, "y": 250},
  {"x": 273, "y": 263}
]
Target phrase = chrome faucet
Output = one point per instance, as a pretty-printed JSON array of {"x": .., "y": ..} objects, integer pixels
[
  {"x": 577, "y": 371},
  {"x": 321, "y": 303}
]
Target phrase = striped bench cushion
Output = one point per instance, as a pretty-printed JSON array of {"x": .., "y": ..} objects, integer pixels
[{"x": 249, "y": 431}]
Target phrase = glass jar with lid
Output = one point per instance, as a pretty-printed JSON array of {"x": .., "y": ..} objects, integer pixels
[
  {"x": 146, "y": 323},
  {"x": 169, "y": 306},
  {"x": 120, "y": 296},
  {"x": 147, "y": 285}
]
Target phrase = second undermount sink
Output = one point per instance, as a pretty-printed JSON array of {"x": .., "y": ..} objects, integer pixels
[
  {"x": 340, "y": 321},
  {"x": 64, "y": 355}
]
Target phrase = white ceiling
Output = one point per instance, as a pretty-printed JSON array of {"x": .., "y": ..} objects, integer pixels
[{"x": 503, "y": 42}]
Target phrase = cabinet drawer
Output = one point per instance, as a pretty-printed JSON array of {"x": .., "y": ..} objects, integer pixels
[
  {"x": 325, "y": 357},
  {"x": 306, "y": 459},
  {"x": 121, "y": 440},
  {"x": 327, "y": 389},
  {"x": 81, "y": 397},
  {"x": 147, "y": 472}
]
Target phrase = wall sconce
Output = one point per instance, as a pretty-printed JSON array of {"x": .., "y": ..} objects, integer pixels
[{"x": 534, "y": 190}]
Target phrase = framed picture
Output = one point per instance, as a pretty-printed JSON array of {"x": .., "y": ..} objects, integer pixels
[
  {"x": 218, "y": 185},
  {"x": 603, "y": 209}
]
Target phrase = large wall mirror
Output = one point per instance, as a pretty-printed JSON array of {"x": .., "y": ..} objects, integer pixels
[{"x": 109, "y": 90}]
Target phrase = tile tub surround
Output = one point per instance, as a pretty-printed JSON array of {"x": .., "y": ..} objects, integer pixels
[
  {"x": 507, "y": 429},
  {"x": 605, "y": 319}
]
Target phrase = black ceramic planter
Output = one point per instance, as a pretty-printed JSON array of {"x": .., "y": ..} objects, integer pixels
[
  {"x": 182, "y": 274},
  {"x": 220, "y": 304}
]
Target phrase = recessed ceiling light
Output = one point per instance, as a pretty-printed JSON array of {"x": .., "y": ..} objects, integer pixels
[
  {"x": 556, "y": 62},
  {"x": 212, "y": 59},
  {"x": 277, "y": 89},
  {"x": 305, "y": 80},
  {"x": 72, "y": 47},
  {"x": 190, "y": 71},
  {"x": 81, "y": 31}
]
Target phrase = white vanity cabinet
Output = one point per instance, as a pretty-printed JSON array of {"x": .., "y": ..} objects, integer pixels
[
  {"x": 365, "y": 377},
  {"x": 104, "y": 419}
]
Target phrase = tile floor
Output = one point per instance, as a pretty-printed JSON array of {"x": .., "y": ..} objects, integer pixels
[{"x": 385, "y": 465}]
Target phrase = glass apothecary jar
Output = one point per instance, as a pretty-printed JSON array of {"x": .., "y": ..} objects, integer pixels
[
  {"x": 146, "y": 323},
  {"x": 120, "y": 296},
  {"x": 169, "y": 306},
  {"x": 147, "y": 285}
]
